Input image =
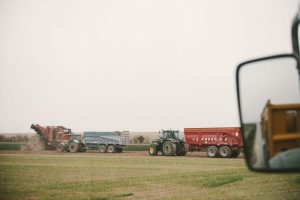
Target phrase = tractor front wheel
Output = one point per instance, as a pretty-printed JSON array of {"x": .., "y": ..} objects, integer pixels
[
  {"x": 153, "y": 150},
  {"x": 169, "y": 148}
]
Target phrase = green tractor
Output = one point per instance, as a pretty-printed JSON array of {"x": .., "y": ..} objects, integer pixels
[
  {"x": 73, "y": 144},
  {"x": 169, "y": 144}
]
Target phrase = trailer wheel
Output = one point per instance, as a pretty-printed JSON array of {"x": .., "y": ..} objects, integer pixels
[
  {"x": 73, "y": 147},
  {"x": 153, "y": 150},
  {"x": 225, "y": 152},
  {"x": 60, "y": 147},
  {"x": 111, "y": 149},
  {"x": 102, "y": 148},
  {"x": 169, "y": 148},
  {"x": 212, "y": 152}
]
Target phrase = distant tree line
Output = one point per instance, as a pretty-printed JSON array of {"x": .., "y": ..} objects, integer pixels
[
  {"x": 139, "y": 139},
  {"x": 15, "y": 138}
]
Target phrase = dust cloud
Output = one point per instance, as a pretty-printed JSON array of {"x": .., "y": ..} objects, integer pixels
[{"x": 35, "y": 143}]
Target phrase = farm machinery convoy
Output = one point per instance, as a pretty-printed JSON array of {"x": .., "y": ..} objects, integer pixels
[
  {"x": 218, "y": 142},
  {"x": 63, "y": 139}
]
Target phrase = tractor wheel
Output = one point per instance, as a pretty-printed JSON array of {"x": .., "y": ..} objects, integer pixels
[
  {"x": 235, "y": 153},
  {"x": 102, "y": 148},
  {"x": 225, "y": 152},
  {"x": 169, "y": 148},
  {"x": 111, "y": 149},
  {"x": 60, "y": 147},
  {"x": 119, "y": 150},
  {"x": 73, "y": 147},
  {"x": 153, "y": 150},
  {"x": 212, "y": 152}
]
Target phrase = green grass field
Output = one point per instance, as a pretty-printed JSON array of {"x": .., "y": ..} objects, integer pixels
[
  {"x": 135, "y": 175},
  {"x": 10, "y": 146}
]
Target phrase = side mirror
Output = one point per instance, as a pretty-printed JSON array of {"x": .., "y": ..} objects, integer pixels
[{"x": 269, "y": 109}]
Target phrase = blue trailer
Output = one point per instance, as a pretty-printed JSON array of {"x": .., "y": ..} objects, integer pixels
[{"x": 106, "y": 141}]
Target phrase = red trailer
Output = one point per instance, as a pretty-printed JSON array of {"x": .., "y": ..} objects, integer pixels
[{"x": 223, "y": 142}]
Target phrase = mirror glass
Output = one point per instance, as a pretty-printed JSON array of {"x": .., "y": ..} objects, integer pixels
[{"x": 270, "y": 111}]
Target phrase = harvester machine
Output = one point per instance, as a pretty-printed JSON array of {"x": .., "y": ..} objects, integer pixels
[
  {"x": 51, "y": 135},
  {"x": 59, "y": 138}
]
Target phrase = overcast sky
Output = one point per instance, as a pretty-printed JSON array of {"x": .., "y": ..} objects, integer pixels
[{"x": 131, "y": 65}]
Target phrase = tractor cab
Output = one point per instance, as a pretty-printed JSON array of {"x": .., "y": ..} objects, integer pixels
[
  {"x": 75, "y": 137},
  {"x": 169, "y": 134}
]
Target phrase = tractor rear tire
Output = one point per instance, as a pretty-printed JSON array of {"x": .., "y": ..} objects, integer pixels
[
  {"x": 60, "y": 147},
  {"x": 169, "y": 148},
  {"x": 153, "y": 150},
  {"x": 225, "y": 152},
  {"x": 111, "y": 149},
  {"x": 73, "y": 147},
  {"x": 102, "y": 148},
  {"x": 212, "y": 152}
]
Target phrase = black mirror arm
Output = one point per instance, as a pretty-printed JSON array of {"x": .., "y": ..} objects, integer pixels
[{"x": 295, "y": 39}]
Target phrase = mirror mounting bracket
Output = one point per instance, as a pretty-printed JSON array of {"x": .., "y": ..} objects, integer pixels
[{"x": 295, "y": 39}]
